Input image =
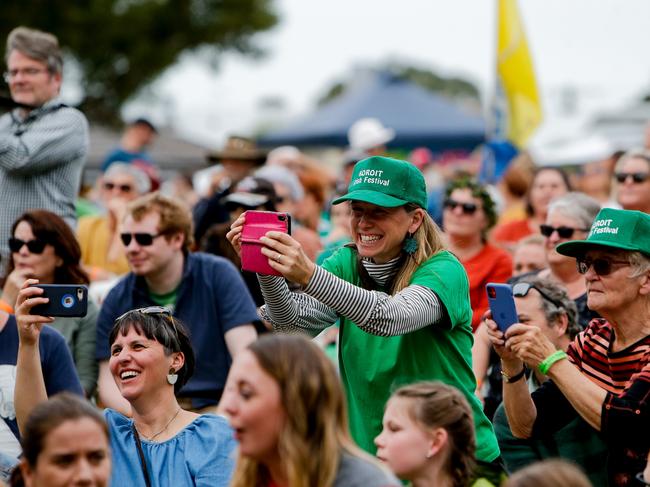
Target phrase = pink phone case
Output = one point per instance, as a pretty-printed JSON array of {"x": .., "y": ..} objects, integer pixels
[{"x": 256, "y": 225}]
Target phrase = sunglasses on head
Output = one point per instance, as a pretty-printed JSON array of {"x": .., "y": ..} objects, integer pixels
[
  {"x": 637, "y": 177},
  {"x": 35, "y": 246},
  {"x": 468, "y": 208},
  {"x": 143, "y": 239},
  {"x": 124, "y": 188},
  {"x": 153, "y": 310},
  {"x": 563, "y": 232},
  {"x": 520, "y": 290},
  {"x": 602, "y": 265}
]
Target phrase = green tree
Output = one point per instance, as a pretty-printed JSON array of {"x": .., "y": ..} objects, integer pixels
[
  {"x": 122, "y": 45},
  {"x": 452, "y": 87}
]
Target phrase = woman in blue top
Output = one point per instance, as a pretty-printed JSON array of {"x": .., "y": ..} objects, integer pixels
[{"x": 151, "y": 359}]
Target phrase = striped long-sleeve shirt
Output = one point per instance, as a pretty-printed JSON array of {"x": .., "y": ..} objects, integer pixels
[
  {"x": 41, "y": 158},
  {"x": 327, "y": 296}
]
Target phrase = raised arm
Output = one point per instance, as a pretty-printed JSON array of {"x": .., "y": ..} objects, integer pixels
[{"x": 30, "y": 384}]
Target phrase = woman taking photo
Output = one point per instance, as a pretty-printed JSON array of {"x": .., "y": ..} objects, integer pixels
[
  {"x": 44, "y": 247},
  {"x": 428, "y": 436},
  {"x": 151, "y": 359},
  {"x": 604, "y": 377},
  {"x": 402, "y": 298},
  {"x": 286, "y": 404},
  {"x": 65, "y": 442}
]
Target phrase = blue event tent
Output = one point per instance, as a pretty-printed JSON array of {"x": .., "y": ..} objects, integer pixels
[{"x": 419, "y": 117}]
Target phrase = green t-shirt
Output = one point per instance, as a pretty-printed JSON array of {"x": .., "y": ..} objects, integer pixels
[
  {"x": 168, "y": 299},
  {"x": 372, "y": 367}
]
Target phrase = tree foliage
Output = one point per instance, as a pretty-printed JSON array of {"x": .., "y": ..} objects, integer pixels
[
  {"x": 452, "y": 87},
  {"x": 122, "y": 45}
]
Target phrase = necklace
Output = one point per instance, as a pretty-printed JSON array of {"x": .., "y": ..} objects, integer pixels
[{"x": 151, "y": 438}]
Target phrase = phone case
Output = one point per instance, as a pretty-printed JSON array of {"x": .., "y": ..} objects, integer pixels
[
  {"x": 65, "y": 300},
  {"x": 502, "y": 305},
  {"x": 256, "y": 225}
]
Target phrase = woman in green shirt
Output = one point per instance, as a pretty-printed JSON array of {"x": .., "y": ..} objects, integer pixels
[{"x": 402, "y": 299}]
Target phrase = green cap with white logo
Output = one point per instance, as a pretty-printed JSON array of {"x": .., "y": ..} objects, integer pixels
[
  {"x": 386, "y": 182},
  {"x": 618, "y": 229}
]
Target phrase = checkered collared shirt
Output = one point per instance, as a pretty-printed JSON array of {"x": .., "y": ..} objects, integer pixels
[{"x": 41, "y": 159}]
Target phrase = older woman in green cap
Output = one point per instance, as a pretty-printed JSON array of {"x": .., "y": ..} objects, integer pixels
[
  {"x": 402, "y": 298},
  {"x": 604, "y": 376}
]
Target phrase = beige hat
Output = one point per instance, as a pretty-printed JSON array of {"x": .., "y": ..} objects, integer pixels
[{"x": 239, "y": 148}]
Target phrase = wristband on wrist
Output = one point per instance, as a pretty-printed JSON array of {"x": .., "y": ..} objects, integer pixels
[
  {"x": 4, "y": 306},
  {"x": 514, "y": 378},
  {"x": 548, "y": 362}
]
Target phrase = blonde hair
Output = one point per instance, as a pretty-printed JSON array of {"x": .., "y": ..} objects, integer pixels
[
  {"x": 175, "y": 216},
  {"x": 549, "y": 473},
  {"x": 316, "y": 430},
  {"x": 429, "y": 239},
  {"x": 437, "y": 405}
]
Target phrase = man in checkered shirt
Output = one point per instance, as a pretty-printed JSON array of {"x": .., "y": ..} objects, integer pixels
[{"x": 43, "y": 143}]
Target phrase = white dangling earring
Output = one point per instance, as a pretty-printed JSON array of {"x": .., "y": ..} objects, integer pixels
[{"x": 172, "y": 377}]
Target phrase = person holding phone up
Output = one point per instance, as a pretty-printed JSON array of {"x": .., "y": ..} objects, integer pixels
[
  {"x": 402, "y": 299},
  {"x": 604, "y": 376}
]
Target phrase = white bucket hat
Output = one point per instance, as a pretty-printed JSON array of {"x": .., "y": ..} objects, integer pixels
[{"x": 367, "y": 133}]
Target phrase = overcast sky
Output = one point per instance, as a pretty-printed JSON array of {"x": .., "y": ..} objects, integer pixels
[{"x": 599, "y": 47}]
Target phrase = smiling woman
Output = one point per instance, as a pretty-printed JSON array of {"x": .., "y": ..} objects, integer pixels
[
  {"x": 151, "y": 358},
  {"x": 402, "y": 298}
]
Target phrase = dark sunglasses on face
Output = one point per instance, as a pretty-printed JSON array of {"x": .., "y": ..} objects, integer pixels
[
  {"x": 520, "y": 290},
  {"x": 35, "y": 246},
  {"x": 143, "y": 239},
  {"x": 124, "y": 188},
  {"x": 637, "y": 177},
  {"x": 468, "y": 208},
  {"x": 602, "y": 265},
  {"x": 563, "y": 232}
]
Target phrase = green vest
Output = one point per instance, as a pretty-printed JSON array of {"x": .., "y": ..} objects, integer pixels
[{"x": 372, "y": 367}]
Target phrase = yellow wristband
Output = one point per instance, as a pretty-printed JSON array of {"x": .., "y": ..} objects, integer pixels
[{"x": 550, "y": 360}]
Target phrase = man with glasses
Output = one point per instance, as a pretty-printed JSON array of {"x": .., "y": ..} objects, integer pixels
[
  {"x": 43, "y": 143},
  {"x": 546, "y": 305},
  {"x": 632, "y": 174},
  {"x": 206, "y": 292},
  {"x": 604, "y": 376}
]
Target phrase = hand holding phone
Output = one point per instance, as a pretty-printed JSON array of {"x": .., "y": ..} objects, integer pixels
[
  {"x": 256, "y": 225},
  {"x": 502, "y": 305},
  {"x": 64, "y": 300}
]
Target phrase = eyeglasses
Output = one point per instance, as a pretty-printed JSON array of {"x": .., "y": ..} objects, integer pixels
[
  {"x": 563, "y": 232},
  {"x": 35, "y": 246},
  {"x": 153, "y": 310},
  {"x": 637, "y": 177},
  {"x": 602, "y": 265},
  {"x": 143, "y": 239},
  {"x": 124, "y": 188},
  {"x": 468, "y": 208},
  {"x": 27, "y": 72},
  {"x": 520, "y": 290}
]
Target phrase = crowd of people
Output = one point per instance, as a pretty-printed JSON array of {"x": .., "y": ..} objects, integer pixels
[{"x": 369, "y": 357}]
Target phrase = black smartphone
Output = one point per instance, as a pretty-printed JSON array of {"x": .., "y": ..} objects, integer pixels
[{"x": 65, "y": 300}]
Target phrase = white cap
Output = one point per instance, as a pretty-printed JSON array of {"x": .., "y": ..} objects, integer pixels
[{"x": 367, "y": 133}]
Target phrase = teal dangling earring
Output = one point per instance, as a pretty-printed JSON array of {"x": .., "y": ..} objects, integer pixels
[{"x": 410, "y": 245}]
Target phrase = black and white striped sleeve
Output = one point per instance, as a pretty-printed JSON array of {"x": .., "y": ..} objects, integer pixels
[
  {"x": 376, "y": 312},
  {"x": 293, "y": 312}
]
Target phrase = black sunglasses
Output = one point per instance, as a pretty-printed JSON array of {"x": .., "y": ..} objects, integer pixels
[
  {"x": 563, "y": 232},
  {"x": 468, "y": 208},
  {"x": 144, "y": 239},
  {"x": 637, "y": 177},
  {"x": 602, "y": 265},
  {"x": 124, "y": 188},
  {"x": 520, "y": 290},
  {"x": 35, "y": 246}
]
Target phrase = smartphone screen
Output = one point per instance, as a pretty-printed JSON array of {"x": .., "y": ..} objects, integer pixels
[{"x": 502, "y": 305}]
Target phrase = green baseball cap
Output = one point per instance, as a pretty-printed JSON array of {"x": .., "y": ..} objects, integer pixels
[
  {"x": 386, "y": 182},
  {"x": 618, "y": 229}
]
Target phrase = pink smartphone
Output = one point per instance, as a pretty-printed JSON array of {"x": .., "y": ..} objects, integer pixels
[{"x": 256, "y": 225}]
